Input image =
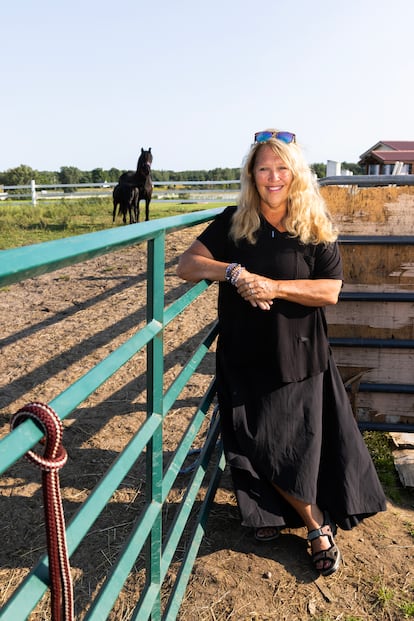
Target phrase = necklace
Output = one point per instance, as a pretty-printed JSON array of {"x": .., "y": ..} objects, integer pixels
[{"x": 273, "y": 227}]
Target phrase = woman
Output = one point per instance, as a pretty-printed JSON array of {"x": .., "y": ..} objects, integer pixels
[{"x": 295, "y": 452}]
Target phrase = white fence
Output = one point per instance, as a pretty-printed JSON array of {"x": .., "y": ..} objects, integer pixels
[{"x": 163, "y": 191}]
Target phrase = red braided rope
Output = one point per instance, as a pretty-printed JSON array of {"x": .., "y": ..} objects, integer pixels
[{"x": 50, "y": 462}]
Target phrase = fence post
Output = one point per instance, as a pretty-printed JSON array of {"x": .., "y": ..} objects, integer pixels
[{"x": 33, "y": 191}]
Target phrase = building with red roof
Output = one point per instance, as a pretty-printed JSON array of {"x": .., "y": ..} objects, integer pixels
[{"x": 389, "y": 157}]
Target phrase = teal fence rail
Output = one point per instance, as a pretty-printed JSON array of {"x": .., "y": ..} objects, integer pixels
[{"x": 148, "y": 535}]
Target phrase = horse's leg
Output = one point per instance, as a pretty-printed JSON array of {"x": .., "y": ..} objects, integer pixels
[
  {"x": 134, "y": 203},
  {"x": 147, "y": 204},
  {"x": 137, "y": 210},
  {"x": 130, "y": 205}
]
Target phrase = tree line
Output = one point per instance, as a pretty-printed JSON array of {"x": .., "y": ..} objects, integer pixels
[{"x": 23, "y": 174}]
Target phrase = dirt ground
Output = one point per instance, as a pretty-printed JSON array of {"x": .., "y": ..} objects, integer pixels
[{"x": 53, "y": 329}]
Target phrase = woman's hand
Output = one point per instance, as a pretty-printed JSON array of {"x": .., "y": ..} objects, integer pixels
[{"x": 255, "y": 289}]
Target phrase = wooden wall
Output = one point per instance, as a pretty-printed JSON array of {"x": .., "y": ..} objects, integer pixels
[{"x": 375, "y": 268}]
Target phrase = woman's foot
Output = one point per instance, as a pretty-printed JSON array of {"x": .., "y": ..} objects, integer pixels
[
  {"x": 325, "y": 553},
  {"x": 266, "y": 533}
]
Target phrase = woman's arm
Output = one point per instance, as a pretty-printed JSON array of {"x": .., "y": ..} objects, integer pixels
[
  {"x": 319, "y": 292},
  {"x": 197, "y": 263}
]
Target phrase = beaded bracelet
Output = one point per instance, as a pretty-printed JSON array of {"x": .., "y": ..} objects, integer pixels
[
  {"x": 233, "y": 271},
  {"x": 229, "y": 270},
  {"x": 235, "y": 275}
]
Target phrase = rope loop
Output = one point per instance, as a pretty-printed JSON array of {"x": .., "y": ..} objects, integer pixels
[{"x": 53, "y": 458}]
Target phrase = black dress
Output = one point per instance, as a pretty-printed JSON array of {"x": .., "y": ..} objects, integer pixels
[{"x": 285, "y": 415}]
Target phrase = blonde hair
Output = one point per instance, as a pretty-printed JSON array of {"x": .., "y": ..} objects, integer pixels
[{"x": 307, "y": 215}]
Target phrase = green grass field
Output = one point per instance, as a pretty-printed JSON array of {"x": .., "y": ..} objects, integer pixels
[{"x": 21, "y": 224}]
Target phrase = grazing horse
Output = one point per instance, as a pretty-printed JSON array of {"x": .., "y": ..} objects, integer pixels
[
  {"x": 126, "y": 197},
  {"x": 140, "y": 179}
]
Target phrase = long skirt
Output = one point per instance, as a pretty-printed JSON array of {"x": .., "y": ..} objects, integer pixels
[{"x": 302, "y": 437}]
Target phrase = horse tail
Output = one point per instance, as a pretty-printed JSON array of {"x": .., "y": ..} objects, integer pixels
[{"x": 115, "y": 199}]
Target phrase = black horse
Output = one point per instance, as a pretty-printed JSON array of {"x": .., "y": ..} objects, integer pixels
[
  {"x": 126, "y": 196},
  {"x": 140, "y": 179}
]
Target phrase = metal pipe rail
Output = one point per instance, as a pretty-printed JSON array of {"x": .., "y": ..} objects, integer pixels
[
  {"x": 377, "y": 296},
  {"x": 366, "y": 181}
]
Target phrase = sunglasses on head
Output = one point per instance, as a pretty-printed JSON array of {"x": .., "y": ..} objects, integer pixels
[{"x": 264, "y": 136}]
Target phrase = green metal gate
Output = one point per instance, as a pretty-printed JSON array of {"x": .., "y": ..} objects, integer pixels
[{"x": 147, "y": 533}]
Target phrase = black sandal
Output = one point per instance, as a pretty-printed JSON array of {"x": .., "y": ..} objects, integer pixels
[{"x": 332, "y": 554}]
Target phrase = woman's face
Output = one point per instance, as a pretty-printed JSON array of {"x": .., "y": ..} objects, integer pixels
[{"x": 273, "y": 179}]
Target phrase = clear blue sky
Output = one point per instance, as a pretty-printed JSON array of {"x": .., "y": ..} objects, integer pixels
[{"x": 87, "y": 83}]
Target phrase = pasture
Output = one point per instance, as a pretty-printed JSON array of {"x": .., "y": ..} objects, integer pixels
[{"x": 21, "y": 224}]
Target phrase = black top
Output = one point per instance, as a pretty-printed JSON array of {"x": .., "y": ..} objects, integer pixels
[{"x": 288, "y": 342}]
